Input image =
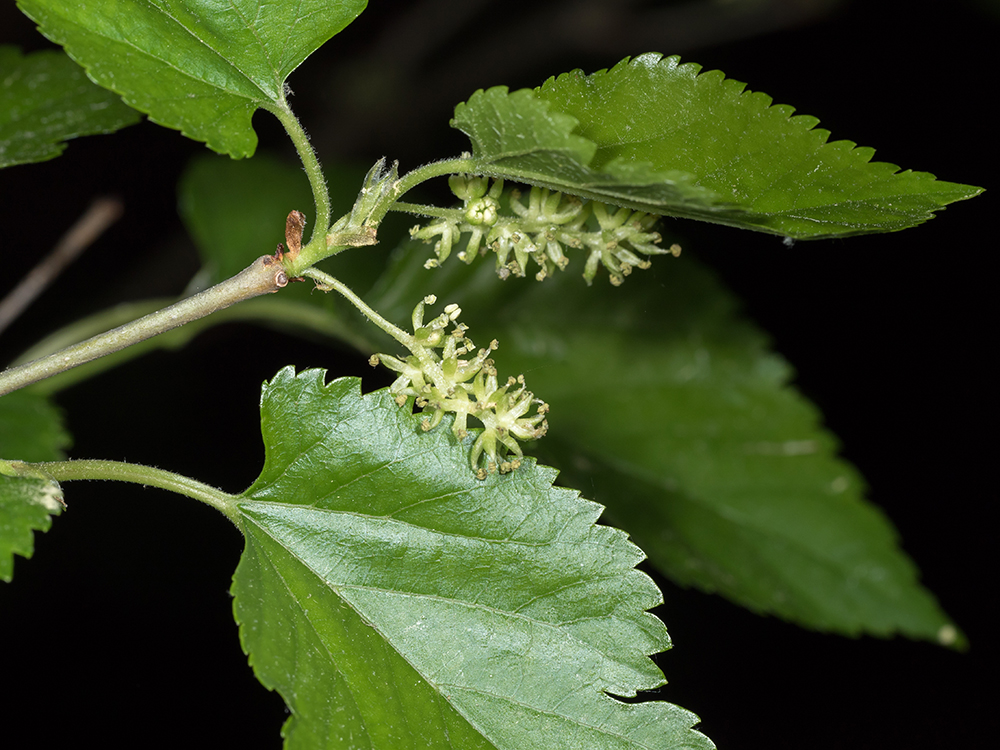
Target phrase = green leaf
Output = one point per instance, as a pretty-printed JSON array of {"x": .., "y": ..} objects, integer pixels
[
  {"x": 46, "y": 99},
  {"x": 199, "y": 66},
  {"x": 522, "y": 137},
  {"x": 395, "y": 601},
  {"x": 674, "y": 414},
  {"x": 30, "y": 430},
  {"x": 26, "y": 505},
  {"x": 657, "y": 136},
  {"x": 681, "y": 514}
]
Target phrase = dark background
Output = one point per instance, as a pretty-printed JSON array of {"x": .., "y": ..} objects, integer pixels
[{"x": 120, "y": 629}]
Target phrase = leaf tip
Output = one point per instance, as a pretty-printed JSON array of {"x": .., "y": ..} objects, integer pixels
[{"x": 949, "y": 636}]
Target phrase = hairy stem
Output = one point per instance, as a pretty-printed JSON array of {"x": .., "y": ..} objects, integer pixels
[
  {"x": 264, "y": 275},
  {"x": 314, "y": 172},
  {"x": 420, "y": 209},
  {"x": 277, "y": 312},
  {"x": 421, "y": 174},
  {"x": 326, "y": 282},
  {"x": 124, "y": 472}
]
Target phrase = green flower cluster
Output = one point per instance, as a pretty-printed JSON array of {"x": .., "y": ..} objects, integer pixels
[
  {"x": 541, "y": 231},
  {"x": 441, "y": 378}
]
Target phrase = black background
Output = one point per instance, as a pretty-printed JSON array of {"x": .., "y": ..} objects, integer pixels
[{"x": 120, "y": 629}]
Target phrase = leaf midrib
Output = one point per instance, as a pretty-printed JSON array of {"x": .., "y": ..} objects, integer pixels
[
  {"x": 436, "y": 685},
  {"x": 185, "y": 73},
  {"x": 556, "y": 626}
]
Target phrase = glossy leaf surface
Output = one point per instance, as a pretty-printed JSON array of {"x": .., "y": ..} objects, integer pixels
[
  {"x": 664, "y": 138},
  {"x": 30, "y": 430},
  {"x": 198, "y": 66},
  {"x": 705, "y": 454},
  {"x": 673, "y": 410},
  {"x": 396, "y": 601},
  {"x": 46, "y": 99}
]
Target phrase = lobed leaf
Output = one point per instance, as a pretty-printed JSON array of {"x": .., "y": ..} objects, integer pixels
[
  {"x": 46, "y": 99},
  {"x": 655, "y": 135},
  {"x": 675, "y": 414},
  {"x": 199, "y": 66},
  {"x": 396, "y": 601},
  {"x": 30, "y": 430}
]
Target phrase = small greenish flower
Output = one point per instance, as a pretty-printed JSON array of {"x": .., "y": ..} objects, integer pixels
[
  {"x": 448, "y": 232},
  {"x": 505, "y": 417},
  {"x": 468, "y": 187},
  {"x": 541, "y": 231},
  {"x": 445, "y": 373}
]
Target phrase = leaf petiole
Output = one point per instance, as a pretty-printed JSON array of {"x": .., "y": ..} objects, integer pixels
[
  {"x": 314, "y": 171},
  {"x": 125, "y": 472}
]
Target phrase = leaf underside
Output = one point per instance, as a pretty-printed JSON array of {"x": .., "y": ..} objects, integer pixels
[
  {"x": 46, "y": 99},
  {"x": 396, "y": 601},
  {"x": 30, "y": 430},
  {"x": 675, "y": 415},
  {"x": 198, "y": 66},
  {"x": 658, "y": 136}
]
